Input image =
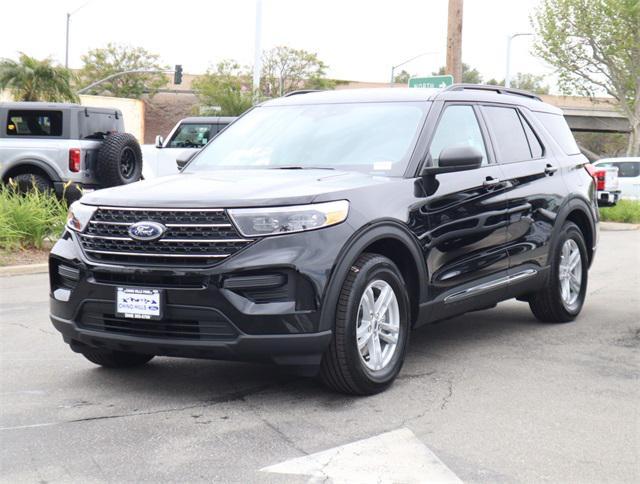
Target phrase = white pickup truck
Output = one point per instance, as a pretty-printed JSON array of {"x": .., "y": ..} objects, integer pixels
[{"x": 189, "y": 135}]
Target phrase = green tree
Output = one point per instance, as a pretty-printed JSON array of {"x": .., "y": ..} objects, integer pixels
[
  {"x": 595, "y": 47},
  {"x": 603, "y": 144},
  {"x": 31, "y": 79},
  {"x": 114, "y": 58},
  {"x": 469, "y": 75},
  {"x": 526, "y": 82},
  {"x": 285, "y": 69},
  {"x": 402, "y": 78},
  {"x": 226, "y": 87}
]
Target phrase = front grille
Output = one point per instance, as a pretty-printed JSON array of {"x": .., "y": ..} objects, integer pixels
[
  {"x": 178, "y": 322},
  {"x": 193, "y": 237},
  {"x": 152, "y": 279}
]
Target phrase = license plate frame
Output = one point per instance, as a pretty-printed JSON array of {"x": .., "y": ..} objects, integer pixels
[{"x": 139, "y": 303}]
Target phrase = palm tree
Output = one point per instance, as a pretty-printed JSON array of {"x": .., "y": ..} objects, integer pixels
[{"x": 31, "y": 79}]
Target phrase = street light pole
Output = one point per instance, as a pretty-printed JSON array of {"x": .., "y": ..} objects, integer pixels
[
  {"x": 66, "y": 44},
  {"x": 257, "y": 61},
  {"x": 507, "y": 74},
  {"x": 393, "y": 68},
  {"x": 124, "y": 73}
]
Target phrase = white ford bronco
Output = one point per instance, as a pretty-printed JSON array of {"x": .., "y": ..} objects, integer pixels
[{"x": 66, "y": 147}]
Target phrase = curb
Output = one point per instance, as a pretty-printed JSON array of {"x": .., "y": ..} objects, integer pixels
[
  {"x": 618, "y": 226},
  {"x": 25, "y": 269}
]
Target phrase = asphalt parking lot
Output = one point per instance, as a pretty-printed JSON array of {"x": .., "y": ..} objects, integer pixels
[{"x": 491, "y": 396}]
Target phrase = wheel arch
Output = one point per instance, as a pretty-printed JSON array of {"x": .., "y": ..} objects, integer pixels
[
  {"x": 390, "y": 239},
  {"x": 578, "y": 211},
  {"x": 30, "y": 166}
]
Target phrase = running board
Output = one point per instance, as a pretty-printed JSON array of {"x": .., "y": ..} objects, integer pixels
[{"x": 488, "y": 286}]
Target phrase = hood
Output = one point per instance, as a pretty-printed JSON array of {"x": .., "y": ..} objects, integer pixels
[{"x": 234, "y": 188}]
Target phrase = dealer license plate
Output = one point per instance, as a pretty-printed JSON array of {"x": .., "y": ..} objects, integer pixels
[{"x": 139, "y": 303}]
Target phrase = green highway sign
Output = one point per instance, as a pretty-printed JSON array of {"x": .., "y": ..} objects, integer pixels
[{"x": 433, "y": 81}]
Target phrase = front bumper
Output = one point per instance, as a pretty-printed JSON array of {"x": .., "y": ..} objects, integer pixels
[
  {"x": 205, "y": 315},
  {"x": 296, "y": 350}
]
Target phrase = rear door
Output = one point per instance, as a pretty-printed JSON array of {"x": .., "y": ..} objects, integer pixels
[
  {"x": 466, "y": 216},
  {"x": 534, "y": 185}
]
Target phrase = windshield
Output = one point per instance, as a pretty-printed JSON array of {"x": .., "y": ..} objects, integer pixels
[{"x": 369, "y": 137}]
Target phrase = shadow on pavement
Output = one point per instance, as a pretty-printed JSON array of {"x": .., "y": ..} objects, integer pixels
[{"x": 178, "y": 379}]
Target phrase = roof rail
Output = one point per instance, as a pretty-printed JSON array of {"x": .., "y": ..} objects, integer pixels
[
  {"x": 301, "y": 91},
  {"x": 496, "y": 89}
]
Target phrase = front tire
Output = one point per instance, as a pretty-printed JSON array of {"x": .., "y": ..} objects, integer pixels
[
  {"x": 371, "y": 330},
  {"x": 115, "y": 359},
  {"x": 562, "y": 298}
]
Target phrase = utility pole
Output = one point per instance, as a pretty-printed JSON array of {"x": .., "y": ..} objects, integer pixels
[{"x": 454, "y": 40}]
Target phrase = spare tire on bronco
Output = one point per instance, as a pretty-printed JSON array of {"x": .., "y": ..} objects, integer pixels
[{"x": 119, "y": 160}]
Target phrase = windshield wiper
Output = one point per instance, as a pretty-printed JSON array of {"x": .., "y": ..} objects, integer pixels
[{"x": 294, "y": 167}]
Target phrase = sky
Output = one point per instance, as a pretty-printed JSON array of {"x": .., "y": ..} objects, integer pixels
[{"x": 358, "y": 39}]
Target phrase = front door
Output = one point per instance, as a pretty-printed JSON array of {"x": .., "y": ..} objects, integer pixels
[{"x": 466, "y": 215}]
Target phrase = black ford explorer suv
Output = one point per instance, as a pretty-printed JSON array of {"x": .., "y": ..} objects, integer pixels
[{"x": 320, "y": 229}]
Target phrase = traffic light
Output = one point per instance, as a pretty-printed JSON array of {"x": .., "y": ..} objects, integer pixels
[{"x": 177, "y": 74}]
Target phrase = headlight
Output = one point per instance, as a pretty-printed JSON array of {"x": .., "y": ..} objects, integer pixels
[
  {"x": 79, "y": 216},
  {"x": 257, "y": 222}
]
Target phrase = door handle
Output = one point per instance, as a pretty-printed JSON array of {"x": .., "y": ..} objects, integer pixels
[
  {"x": 550, "y": 169},
  {"x": 490, "y": 182}
]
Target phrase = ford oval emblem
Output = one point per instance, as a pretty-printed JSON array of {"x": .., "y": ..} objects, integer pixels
[{"x": 146, "y": 231}]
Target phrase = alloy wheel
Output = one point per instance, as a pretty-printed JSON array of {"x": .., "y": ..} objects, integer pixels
[
  {"x": 570, "y": 273},
  {"x": 378, "y": 325}
]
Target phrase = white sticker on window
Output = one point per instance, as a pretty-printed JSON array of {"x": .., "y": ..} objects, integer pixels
[{"x": 383, "y": 165}]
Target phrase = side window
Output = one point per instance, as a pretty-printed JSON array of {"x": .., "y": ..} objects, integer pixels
[
  {"x": 34, "y": 123},
  {"x": 508, "y": 134},
  {"x": 458, "y": 125},
  {"x": 192, "y": 136},
  {"x": 534, "y": 143},
  {"x": 559, "y": 130}
]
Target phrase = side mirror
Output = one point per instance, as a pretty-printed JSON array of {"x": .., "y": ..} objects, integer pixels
[
  {"x": 159, "y": 141},
  {"x": 184, "y": 158},
  {"x": 455, "y": 158}
]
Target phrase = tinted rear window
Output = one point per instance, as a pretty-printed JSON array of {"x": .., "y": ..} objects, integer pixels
[
  {"x": 34, "y": 123},
  {"x": 97, "y": 124},
  {"x": 508, "y": 134},
  {"x": 559, "y": 130}
]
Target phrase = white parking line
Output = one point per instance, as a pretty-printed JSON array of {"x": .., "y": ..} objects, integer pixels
[{"x": 397, "y": 456}]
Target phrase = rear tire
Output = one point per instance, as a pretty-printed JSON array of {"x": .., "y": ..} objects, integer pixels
[
  {"x": 115, "y": 359},
  {"x": 362, "y": 358},
  {"x": 30, "y": 181},
  {"x": 119, "y": 160},
  {"x": 553, "y": 304}
]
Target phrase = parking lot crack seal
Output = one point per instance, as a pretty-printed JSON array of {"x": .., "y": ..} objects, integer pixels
[
  {"x": 230, "y": 397},
  {"x": 447, "y": 397},
  {"x": 288, "y": 440}
]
